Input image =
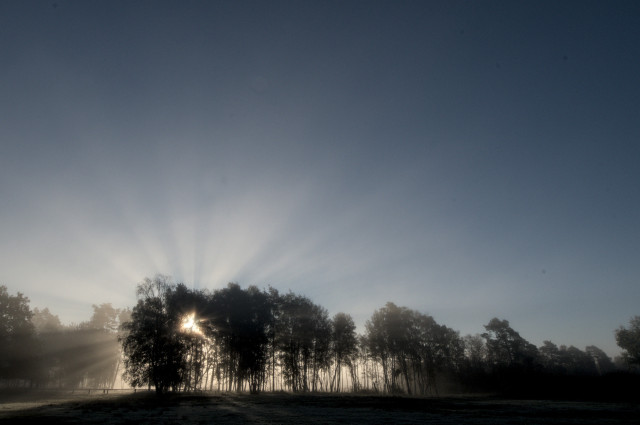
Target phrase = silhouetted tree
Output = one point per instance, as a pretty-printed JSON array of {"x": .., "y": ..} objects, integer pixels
[
  {"x": 551, "y": 357},
  {"x": 344, "y": 347},
  {"x": 303, "y": 335},
  {"x": 439, "y": 349},
  {"x": 18, "y": 349},
  {"x": 577, "y": 362},
  {"x": 186, "y": 307},
  {"x": 154, "y": 352},
  {"x": 475, "y": 351},
  {"x": 473, "y": 372},
  {"x": 629, "y": 340},
  {"x": 387, "y": 337},
  {"x": 505, "y": 346},
  {"x": 370, "y": 371},
  {"x": 275, "y": 313},
  {"x": 602, "y": 362},
  {"x": 412, "y": 346},
  {"x": 240, "y": 321},
  {"x": 251, "y": 339},
  {"x": 321, "y": 345}
]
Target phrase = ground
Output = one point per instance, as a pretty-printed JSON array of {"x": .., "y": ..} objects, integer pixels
[{"x": 284, "y": 408}]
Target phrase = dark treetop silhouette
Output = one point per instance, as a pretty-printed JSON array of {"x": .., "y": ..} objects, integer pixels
[{"x": 234, "y": 339}]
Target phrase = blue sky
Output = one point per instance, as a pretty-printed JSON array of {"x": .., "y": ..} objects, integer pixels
[{"x": 465, "y": 159}]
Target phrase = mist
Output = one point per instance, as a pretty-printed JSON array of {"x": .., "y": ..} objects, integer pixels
[{"x": 177, "y": 339}]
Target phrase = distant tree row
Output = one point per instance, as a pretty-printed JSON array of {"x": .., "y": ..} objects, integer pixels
[
  {"x": 234, "y": 339},
  {"x": 38, "y": 351}
]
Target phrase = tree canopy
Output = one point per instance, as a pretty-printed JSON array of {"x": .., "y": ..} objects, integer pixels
[
  {"x": 248, "y": 339},
  {"x": 629, "y": 340}
]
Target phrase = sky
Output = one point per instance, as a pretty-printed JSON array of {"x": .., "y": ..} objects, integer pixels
[{"x": 466, "y": 159}]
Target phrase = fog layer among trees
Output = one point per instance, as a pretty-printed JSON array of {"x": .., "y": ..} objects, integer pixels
[
  {"x": 38, "y": 351},
  {"x": 234, "y": 339}
]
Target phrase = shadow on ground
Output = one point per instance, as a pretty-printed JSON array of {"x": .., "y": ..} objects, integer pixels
[{"x": 284, "y": 408}]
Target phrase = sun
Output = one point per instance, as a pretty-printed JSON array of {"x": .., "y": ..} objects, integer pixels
[{"x": 190, "y": 324}]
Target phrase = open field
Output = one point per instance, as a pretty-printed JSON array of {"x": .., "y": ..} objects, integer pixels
[{"x": 282, "y": 408}]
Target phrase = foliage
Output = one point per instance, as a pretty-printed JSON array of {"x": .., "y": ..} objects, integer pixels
[
  {"x": 154, "y": 353},
  {"x": 17, "y": 336},
  {"x": 44, "y": 321},
  {"x": 239, "y": 320},
  {"x": 84, "y": 355},
  {"x": 629, "y": 340},
  {"x": 303, "y": 334},
  {"x": 505, "y": 346},
  {"x": 344, "y": 348},
  {"x": 247, "y": 339},
  {"x": 411, "y": 346}
]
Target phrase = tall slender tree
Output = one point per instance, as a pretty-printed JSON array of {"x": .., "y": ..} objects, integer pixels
[
  {"x": 154, "y": 352},
  {"x": 344, "y": 347}
]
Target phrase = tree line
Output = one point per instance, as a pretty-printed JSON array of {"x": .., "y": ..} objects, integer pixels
[
  {"x": 234, "y": 339},
  {"x": 37, "y": 350}
]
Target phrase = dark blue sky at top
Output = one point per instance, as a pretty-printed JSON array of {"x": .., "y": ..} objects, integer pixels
[{"x": 466, "y": 159}]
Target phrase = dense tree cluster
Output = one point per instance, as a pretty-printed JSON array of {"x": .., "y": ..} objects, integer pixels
[
  {"x": 17, "y": 337},
  {"x": 234, "y": 339},
  {"x": 38, "y": 351},
  {"x": 629, "y": 341},
  {"x": 411, "y": 349}
]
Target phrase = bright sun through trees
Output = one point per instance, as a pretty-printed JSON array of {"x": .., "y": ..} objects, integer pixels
[{"x": 190, "y": 324}]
